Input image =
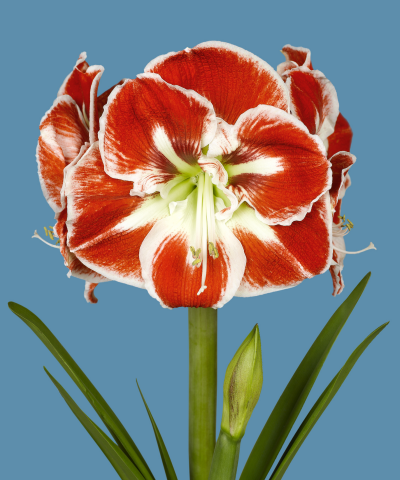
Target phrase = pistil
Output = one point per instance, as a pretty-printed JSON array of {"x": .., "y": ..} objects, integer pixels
[{"x": 205, "y": 227}]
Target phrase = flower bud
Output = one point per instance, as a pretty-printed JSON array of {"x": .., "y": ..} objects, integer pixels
[{"x": 242, "y": 386}]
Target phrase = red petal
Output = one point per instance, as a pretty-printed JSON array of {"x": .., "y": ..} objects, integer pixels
[
  {"x": 62, "y": 134},
  {"x": 340, "y": 140},
  {"x": 233, "y": 79},
  {"x": 341, "y": 163},
  {"x": 167, "y": 266},
  {"x": 89, "y": 292},
  {"x": 103, "y": 98},
  {"x": 79, "y": 82},
  {"x": 280, "y": 257},
  {"x": 76, "y": 267},
  {"x": 313, "y": 100},
  {"x": 102, "y": 229},
  {"x": 151, "y": 132},
  {"x": 278, "y": 168},
  {"x": 300, "y": 55}
]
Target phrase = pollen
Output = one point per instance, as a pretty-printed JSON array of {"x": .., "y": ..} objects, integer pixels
[{"x": 346, "y": 223}]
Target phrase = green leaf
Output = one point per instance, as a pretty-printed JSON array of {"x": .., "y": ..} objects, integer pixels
[
  {"x": 122, "y": 464},
  {"x": 168, "y": 467},
  {"x": 288, "y": 407},
  {"x": 320, "y": 406},
  {"x": 106, "y": 414}
]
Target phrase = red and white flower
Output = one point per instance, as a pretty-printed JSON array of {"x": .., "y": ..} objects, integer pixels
[
  {"x": 314, "y": 102},
  {"x": 202, "y": 185},
  {"x": 66, "y": 132}
]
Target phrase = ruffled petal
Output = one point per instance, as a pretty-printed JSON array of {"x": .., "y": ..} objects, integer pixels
[
  {"x": 151, "y": 132},
  {"x": 340, "y": 140},
  {"x": 341, "y": 163},
  {"x": 76, "y": 267},
  {"x": 106, "y": 225},
  {"x": 274, "y": 164},
  {"x": 79, "y": 82},
  {"x": 337, "y": 267},
  {"x": 280, "y": 257},
  {"x": 103, "y": 98},
  {"x": 167, "y": 262},
  {"x": 89, "y": 292},
  {"x": 62, "y": 134},
  {"x": 313, "y": 100},
  {"x": 233, "y": 79},
  {"x": 295, "y": 56}
]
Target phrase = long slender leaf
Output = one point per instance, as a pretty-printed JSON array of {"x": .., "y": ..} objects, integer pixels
[
  {"x": 320, "y": 406},
  {"x": 288, "y": 407},
  {"x": 104, "y": 411},
  {"x": 122, "y": 464},
  {"x": 166, "y": 460}
]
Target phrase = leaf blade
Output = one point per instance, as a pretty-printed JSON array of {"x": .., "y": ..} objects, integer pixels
[
  {"x": 121, "y": 463},
  {"x": 289, "y": 405},
  {"x": 166, "y": 460},
  {"x": 320, "y": 406},
  {"x": 101, "y": 407}
]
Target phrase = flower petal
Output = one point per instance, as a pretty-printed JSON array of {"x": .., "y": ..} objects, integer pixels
[
  {"x": 89, "y": 292},
  {"x": 62, "y": 134},
  {"x": 79, "y": 82},
  {"x": 337, "y": 267},
  {"x": 151, "y": 132},
  {"x": 341, "y": 163},
  {"x": 280, "y": 257},
  {"x": 103, "y": 98},
  {"x": 277, "y": 166},
  {"x": 167, "y": 261},
  {"x": 233, "y": 79},
  {"x": 313, "y": 100},
  {"x": 295, "y": 55},
  {"x": 340, "y": 140},
  {"x": 76, "y": 267},
  {"x": 106, "y": 225}
]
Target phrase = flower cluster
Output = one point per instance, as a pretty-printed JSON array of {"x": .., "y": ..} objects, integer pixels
[{"x": 207, "y": 176}]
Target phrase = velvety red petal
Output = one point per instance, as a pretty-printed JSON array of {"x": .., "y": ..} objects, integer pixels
[
  {"x": 277, "y": 167},
  {"x": 337, "y": 268},
  {"x": 233, "y": 79},
  {"x": 106, "y": 225},
  {"x": 299, "y": 55},
  {"x": 76, "y": 267},
  {"x": 280, "y": 257},
  {"x": 89, "y": 292},
  {"x": 313, "y": 100},
  {"x": 62, "y": 134},
  {"x": 79, "y": 82},
  {"x": 166, "y": 261},
  {"x": 103, "y": 98},
  {"x": 341, "y": 163},
  {"x": 152, "y": 131},
  {"x": 341, "y": 138}
]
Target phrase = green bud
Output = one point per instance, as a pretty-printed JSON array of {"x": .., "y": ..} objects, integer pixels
[{"x": 242, "y": 386}]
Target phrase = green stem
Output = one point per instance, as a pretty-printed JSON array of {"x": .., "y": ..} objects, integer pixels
[
  {"x": 202, "y": 390},
  {"x": 226, "y": 457}
]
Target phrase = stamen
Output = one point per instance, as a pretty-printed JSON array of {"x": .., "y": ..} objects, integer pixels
[
  {"x": 36, "y": 235},
  {"x": 371, "y": 246}
]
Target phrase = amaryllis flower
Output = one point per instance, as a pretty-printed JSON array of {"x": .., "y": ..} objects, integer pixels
[
  {"x": 66, "y": 132},
  {"x": 202, "y": 185},
  {"x": 314, "y": 101}
]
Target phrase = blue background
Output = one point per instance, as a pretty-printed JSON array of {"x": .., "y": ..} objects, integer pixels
[{"x": 127, "y": 335}]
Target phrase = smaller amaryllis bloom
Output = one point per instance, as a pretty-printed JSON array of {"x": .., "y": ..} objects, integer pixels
[
  {"x": 177, "y": 199},
  {"x": 314, "y": 101},
  {"x": 66, "y": 132}
]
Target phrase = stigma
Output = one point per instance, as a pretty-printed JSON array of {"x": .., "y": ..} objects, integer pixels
[
  {"x": 205, "y": 244},
  {"x": 341, "y": 229}
]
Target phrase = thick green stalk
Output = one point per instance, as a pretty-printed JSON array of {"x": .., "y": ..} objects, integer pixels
[
  {"x": 202, "y": 390},
  {"x": 226, "y": 457}
]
